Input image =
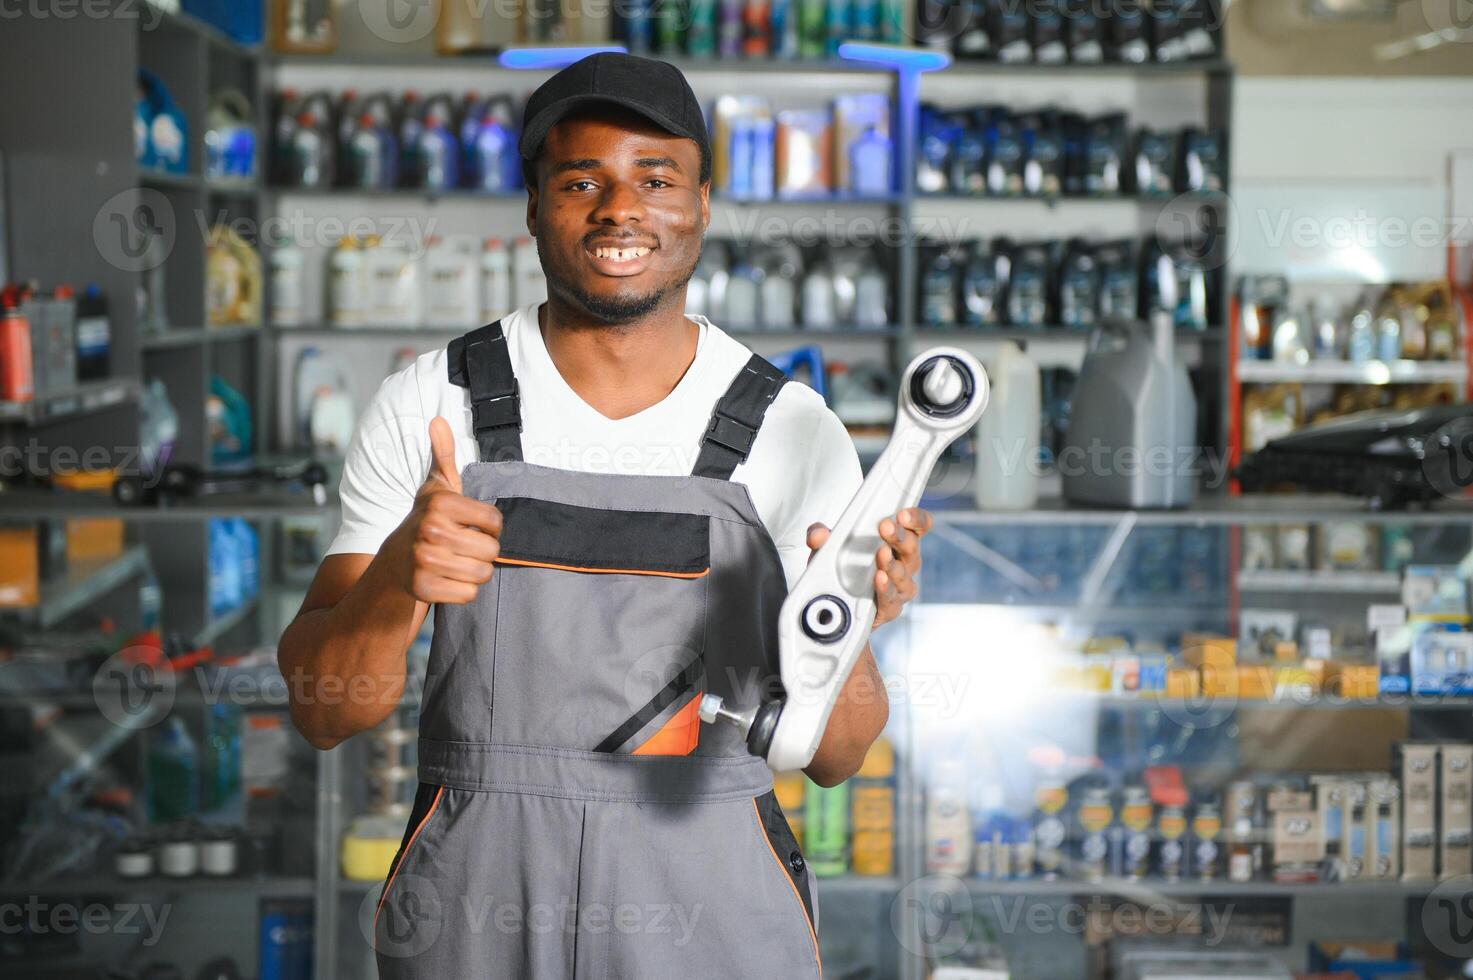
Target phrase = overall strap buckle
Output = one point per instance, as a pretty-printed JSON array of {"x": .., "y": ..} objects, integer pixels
[
  {"x": 479, "y": 361},
  {"x": 731, "y": 432}
]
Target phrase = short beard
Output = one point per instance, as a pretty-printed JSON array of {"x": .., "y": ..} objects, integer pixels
[{"x": 624, "y": 309}]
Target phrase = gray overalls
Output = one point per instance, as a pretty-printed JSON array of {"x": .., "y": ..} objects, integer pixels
[{"x": 574, "y": 818}]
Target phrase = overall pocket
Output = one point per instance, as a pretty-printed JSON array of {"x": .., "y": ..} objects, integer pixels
[
  {"x": 426, "y": 803},
  {"x": 601, "y": 627}
]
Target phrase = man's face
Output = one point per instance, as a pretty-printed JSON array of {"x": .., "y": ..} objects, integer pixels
[{"x": 618, "y": 212}]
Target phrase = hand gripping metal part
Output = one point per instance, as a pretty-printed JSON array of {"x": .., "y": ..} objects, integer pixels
[{"x": 826, "y": 619}]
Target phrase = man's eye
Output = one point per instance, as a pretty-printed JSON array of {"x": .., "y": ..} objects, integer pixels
[
  {"x": 657, "y": 182},
  {"x": 580, "y": 185}
]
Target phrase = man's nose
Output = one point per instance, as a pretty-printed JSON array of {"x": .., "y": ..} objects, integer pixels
[{"x": 619, "y": 204}]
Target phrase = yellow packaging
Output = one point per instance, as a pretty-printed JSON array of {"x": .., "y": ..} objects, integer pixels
[
  {"x": 789, "y": 788},
  {"x": 1255, "y": 682},
  {"x": 1292, "y": 681},
  {"x": 93, "y": 538},
  {"x": 873, "y": 853},
  {"x": 1220, "y": 682},
  {"x": 20, "y": 568},
  {"x": 1204, "y": 649},
  {"x": 90, "y": 481},
  {"x": 879, "y": 761},
  {"x": 1182, "y": 683},
  {"x": 872, "y": 808}
]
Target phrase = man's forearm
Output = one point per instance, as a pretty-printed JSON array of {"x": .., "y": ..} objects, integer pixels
[
  {"x": 344, "y": 663},
  {"x": 858, "y": 719}
]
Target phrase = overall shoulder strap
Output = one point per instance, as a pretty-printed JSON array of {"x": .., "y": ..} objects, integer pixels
[
  {"x": 737, "y": 417},
  {"x": 480, "y": 362}
]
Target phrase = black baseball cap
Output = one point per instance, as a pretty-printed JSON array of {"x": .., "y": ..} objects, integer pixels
[{"x": 654, "y": 89}]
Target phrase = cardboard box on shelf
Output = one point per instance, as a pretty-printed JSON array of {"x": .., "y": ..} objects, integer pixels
[
  {"x": 1415, "y": 766},
  {"x": 1384, "y": 811},
  {"x": 20, "y": 567},
  {"x": 1455, "y": 790},
  {"x": 1203, "y": 649},
  {"x": 94, "y": 538}
]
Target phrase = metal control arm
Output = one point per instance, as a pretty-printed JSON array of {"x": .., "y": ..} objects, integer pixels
[{"x": 826, "y": 619}]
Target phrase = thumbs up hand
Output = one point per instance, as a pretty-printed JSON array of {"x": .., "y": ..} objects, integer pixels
[{"x": 445, "y": 548}]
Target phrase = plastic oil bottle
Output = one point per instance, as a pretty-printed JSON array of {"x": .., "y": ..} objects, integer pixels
[
  {"x": 496, "y": 295},
  {"x": 1008, "y": 433},
  {"x": 346, "y": 285},
  {"x": 452, "y": 294},
  {"x": 529, "y": 285}
]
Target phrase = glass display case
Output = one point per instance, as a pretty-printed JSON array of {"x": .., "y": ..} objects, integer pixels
[{"x": 1237, "y": 734}]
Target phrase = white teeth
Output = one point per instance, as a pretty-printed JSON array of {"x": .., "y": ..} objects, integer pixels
[{"x": 621, "y": 254}]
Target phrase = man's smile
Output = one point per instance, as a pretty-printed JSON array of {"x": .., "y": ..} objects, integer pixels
[{"x": 619, "y": 258}]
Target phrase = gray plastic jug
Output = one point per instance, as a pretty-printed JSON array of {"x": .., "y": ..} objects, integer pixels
[{"x": 1132, "y": 434}]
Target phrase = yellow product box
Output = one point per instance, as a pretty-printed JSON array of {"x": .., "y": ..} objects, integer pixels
[
  {"x": 94, "y": 538},
  {"x": 1291, "y": 682},
  {"x": 1286, "y": 651},
  {"x": 1360, "y": 681},
  {"x": 872, "y": 808},
  {"x": 20, "y": 567},
  {"x": 789, "y": 788},
  {"x": 1182, "y": 682},
  {"x": 1099, "y": 673},
  {"x": 1204, "y": 649},
  {"x": 1255, "y": 682},
  {"x": 873, "y": 853},
  {"x": 879, "y": 761},
  {"x": 1319, "y": 672},
  {"x": 1220, "y": 682}
]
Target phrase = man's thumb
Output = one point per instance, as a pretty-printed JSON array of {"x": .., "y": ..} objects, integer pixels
[{"x": 442, "y": 454}]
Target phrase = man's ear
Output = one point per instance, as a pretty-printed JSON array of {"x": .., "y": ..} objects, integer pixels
[
  {"x": 532, "y": 211},
  {"x": 705, "y": 205}
]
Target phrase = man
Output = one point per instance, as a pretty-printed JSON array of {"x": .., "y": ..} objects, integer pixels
[{"x": 609, "y": 508}]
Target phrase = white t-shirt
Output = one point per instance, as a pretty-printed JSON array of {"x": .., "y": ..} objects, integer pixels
[{"x": 802, "y": 467}]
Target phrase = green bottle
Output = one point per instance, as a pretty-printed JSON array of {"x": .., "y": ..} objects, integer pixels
[
  {"x": 826, "y": 829},
  {"x": 700, "y": 36},
  {"x": 812, "y": 28}
]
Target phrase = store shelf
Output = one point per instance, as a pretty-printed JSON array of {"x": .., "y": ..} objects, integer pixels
[
  {"x": 89, "y": 396},
  {"x": 232, "y": 185},
  {"x": 1050, "y": 334},
  {"x": 286, "y": 886},
  {"x": 487, "y": 62},
  {"x": 79, "y": 586},
  {"x": 1347, "y": 372},
  {"x": 23, "y": 505},
  {"x": 220, "y": 625},
  {"x": 1148, "y": 889},
  {"x": 1207, "y": 511},
  {"x": 403, "y": 193},
  {"x": 1197, "y": 66},
  {"x": 195, "y": 336},
  {"x": 1340, "y": 583},
  {"x": 154, "y": 18},
  {"x": 150, "y": 177},
  {"x": 1210, "y": 704},
  {"x": 922, "y": 198}
]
